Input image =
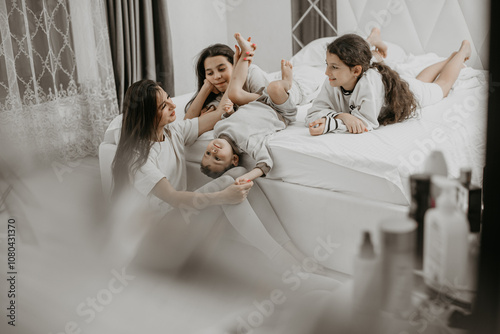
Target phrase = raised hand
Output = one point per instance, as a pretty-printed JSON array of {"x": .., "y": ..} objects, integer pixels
[
  {"x": 245, "y": 49},
  {"x": 208, "y": 85}
]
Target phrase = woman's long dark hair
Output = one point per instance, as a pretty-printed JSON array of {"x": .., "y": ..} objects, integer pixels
[
  {"x": 139, "y": 124},
  {"x": 401, "y": 103},
  {"x": 210, "y": 51}
]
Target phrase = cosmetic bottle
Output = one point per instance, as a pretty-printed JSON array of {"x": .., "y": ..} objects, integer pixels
[
  {"x": 398, "y": 237},
  {"x": 435, "y": 165},
  {"x": 446, "y": 242},
  {"x": 366, "y": 288},
  {"x": 470, "y": 285},
  {"x": 420, "y": 186},
  {"x": 470, "y": 198}
]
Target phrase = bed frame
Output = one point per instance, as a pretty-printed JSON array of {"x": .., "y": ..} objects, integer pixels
[
  {"x": 313, "y": 217},
  {"x": 310, "y": 214}
]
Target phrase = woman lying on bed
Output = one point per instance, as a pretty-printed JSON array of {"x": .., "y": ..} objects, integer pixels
[
  {"x": 361, "y": 93},
  {"x": 214, "y": 68},
  {"x": 150, "y": 159}
]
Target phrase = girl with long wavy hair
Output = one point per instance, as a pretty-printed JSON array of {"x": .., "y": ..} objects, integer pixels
[{"x": 361, "y": 94}]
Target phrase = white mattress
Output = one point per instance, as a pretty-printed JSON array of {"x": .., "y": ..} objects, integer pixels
[{"x": 377, "y": 165}]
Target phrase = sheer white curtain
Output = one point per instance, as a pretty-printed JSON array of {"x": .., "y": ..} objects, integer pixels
[{"x": 57, "y": 89}]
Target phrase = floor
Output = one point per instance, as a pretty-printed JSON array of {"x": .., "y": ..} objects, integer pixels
[{"x": 67, "y": 282}]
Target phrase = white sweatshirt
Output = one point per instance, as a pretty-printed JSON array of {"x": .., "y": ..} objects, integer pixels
[{"x": 366, "y": 102}]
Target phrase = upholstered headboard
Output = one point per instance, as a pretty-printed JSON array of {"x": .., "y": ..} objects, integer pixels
[{"x": 421, "y": 26}]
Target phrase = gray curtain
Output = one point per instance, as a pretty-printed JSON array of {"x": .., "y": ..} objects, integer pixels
[
  {"x": 141, "y": 45},
  {"x": 312, "y": 19},
  {"x": 57, "y": 93}
]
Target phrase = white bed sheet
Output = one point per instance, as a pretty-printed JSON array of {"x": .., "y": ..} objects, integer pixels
[{"x": 376, "y": 165}]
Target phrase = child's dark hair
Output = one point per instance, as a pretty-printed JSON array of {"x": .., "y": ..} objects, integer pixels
[
  {"x": 213, "y": 50},
  {"x": 208, "y": 172},
  {"x": 401, "y": 103}
]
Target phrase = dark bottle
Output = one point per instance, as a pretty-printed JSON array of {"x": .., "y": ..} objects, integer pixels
[
  {"x": 473, "y": 200},
  {"x": 420, "y": 185}
]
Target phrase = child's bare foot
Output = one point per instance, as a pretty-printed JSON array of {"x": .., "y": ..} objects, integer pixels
[
  {"x": 245, "y": 45},
  {"x": 377, "y": 56},
  {"x": 287, "y": 73},
  {"x": 465, "y": 49},
  {"x": 375, "y": 40}
]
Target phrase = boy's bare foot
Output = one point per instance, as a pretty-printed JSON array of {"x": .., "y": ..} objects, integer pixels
[
  {"x": 245, "y": 45},
  {"x": 287, "y": 73},
  {"x": 375, "y": 40},
  {"x": 465, "y": 49}
]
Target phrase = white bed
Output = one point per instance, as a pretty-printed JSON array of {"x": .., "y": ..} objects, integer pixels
[
  {"x": 336, "y": 185},
  {"x": 381, "y": 161},
  {"x": 339, "y": 184}
]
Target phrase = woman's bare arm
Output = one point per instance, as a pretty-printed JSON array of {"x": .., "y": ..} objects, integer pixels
[
  {"x": 196, "y": 106},
  {"x": 233, "y": 194}
]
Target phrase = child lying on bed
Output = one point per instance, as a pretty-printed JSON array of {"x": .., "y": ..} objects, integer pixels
[
  {"x": 248, "y": 129},
  {"x": 360, "y": 94}
]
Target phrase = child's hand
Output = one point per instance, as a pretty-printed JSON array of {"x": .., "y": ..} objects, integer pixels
[
  {"x": 228, "y": 112},
  {"x": 229, "y": 106},
  {"x": 208, "y": 85},
  {"x": 317, "y": 127},
  {"x": 235, "y": 193},
  {"x": 353, "y": 124},
  {"x": 249, "y": 177},
  {"x": 247, "y": 55},
  {"x": 242, "y": 180}
]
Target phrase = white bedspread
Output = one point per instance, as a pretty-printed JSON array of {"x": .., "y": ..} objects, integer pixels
[
  {"x": 456, "y": 126},
  {"x": 377, "y": 164}
]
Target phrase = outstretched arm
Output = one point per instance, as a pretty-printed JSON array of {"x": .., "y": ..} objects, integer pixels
[
  {"x": 233, "y": 194},
  {"x": 250, "y": 176}
]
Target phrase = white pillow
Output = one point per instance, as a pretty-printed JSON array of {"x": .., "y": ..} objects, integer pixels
[
  {"x": 314, "y": 53},
  {"x": 395, "y": 54}
]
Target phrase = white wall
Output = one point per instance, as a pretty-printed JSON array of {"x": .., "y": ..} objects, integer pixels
[
  {"x": 422, "y": 26},
  {"x": 269, "y": 23},
  {"x": 196, "y": 24}
]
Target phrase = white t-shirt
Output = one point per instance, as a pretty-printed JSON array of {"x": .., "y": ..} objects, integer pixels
[{"x": 166, "y": 158}]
